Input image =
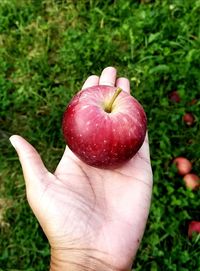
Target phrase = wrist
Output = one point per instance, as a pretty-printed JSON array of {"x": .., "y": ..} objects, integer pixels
[{"x": 80, "y": 260}]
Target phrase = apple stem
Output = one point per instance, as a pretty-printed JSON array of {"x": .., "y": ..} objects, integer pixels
[{"x": 108, "y": 107}]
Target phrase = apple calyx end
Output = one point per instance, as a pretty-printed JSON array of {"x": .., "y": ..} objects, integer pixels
[{"x": 109, "y": 105}]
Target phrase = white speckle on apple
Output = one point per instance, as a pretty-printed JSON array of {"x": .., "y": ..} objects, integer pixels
[
  {"x": 88, "y": 123},
  {"x": 85, "y": 106},
  {"x": 105, "y": 141},
  {"x": 97, "y": 125}
]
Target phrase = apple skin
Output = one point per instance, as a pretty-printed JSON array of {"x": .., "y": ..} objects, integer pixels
[
  {"x": 192, "y": 181},
  {"x": 183, "y": 165},
  {"x": 194, "y": 226},
  {"x": 101, "y": 139}
]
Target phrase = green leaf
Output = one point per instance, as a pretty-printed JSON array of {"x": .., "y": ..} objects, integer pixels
[{"x": 162, "y": 68}]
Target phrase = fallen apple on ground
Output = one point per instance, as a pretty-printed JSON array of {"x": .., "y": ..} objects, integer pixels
[
  {"x": 174, "y": 96},
  {"x": 188, "y": 118},
  {"x": 104, "y": 126},
  {"x": 193, "y": 102},
  {"x": 194, "y": 227},
  {"x": 183, "y": 165},
  {"x": 192, "y": 181}
]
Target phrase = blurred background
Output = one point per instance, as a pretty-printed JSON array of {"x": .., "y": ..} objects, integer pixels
[{"x": 47, "y": 49}]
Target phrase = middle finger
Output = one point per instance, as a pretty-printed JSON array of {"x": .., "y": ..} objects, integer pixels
[{"x": 108, "y": 77}]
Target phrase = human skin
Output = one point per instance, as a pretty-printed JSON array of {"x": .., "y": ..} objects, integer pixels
[{"x": 94, "y": 219}]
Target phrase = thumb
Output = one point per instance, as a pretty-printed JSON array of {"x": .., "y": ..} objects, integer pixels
[{"x": 33, "y": 168}]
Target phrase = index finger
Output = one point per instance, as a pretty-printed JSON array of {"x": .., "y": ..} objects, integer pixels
[{"x": 91, "y": 81}]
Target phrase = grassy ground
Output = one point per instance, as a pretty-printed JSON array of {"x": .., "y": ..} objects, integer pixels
[{"x": 47, "y": 49}]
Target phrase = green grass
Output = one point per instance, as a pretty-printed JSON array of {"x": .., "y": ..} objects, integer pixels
[{"x": 47, "y": 49}]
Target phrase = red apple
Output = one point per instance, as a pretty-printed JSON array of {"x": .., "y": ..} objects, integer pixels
[
  {"x": 104, "y": 126},
  {"x": 183, "y": 165},
  {"x": 194, "y": 226},
  {"x": 174, "y": 96},
  {"x": 188, "y": 118},
  {"x": 192, "y": 181}
]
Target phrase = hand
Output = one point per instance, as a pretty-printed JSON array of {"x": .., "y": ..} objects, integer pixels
[{"x": 94, "y": 219}]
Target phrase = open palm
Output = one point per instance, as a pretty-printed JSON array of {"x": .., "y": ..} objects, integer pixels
[{"x": 97, "y": 212}]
